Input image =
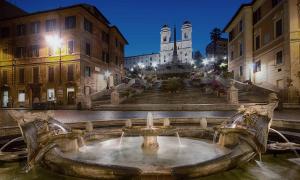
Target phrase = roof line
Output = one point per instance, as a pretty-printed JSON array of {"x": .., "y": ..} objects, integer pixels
[
  {"x": 63, "y": 8},
  {"x": 142, "y": 55},
  {"x": 115, "y": 27},
  {"x": 237, "y": 12}
]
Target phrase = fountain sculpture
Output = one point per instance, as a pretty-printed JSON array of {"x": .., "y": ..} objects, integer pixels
[
  {"x": 81, "y": 154},
  {"x": 150, "y": 132}
]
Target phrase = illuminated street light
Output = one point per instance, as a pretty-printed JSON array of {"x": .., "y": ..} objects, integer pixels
[
  {"x": 225, "y": 57},
  {"x": 107, "y": 75},
  {"x": 131, "y": 69},
  {"x": 205, "y": 62},
  {"x": 154, "y": 65},
  {"x": 223, "y": 65},
  {"x": 141, "y": 65},
  {"x": 54, "y": 41}
]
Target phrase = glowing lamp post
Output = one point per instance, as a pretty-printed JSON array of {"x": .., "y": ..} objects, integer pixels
[
  {"x": 107, "y": 75},
  {"x": 55, "y": 42}
]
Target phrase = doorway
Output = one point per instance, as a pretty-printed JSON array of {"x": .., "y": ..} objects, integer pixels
[
  {"x": 71, "y": 96},
  {"x": 5, "y": 99}
]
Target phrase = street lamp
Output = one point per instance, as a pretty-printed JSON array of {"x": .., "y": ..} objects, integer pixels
[
  {"x": 107, "y": 75},
  {"x": 205, "y": 62},
  {"x": 55, "y": 42}
]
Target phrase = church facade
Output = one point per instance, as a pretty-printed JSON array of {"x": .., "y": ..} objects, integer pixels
[{"x": 184, "y": 49}]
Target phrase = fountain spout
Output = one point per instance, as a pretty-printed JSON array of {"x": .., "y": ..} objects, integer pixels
[{"x": 149, "y": 120}]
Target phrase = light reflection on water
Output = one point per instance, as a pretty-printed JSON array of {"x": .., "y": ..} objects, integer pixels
[{"x": 271, "y": 168}]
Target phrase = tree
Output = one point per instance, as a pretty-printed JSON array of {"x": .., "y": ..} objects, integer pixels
[{"x": 215, "y": 36}]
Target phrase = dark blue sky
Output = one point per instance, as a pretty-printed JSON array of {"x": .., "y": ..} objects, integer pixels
[{"x": 140, "y": 20}]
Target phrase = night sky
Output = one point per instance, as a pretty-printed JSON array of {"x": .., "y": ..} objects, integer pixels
[{"x": 140, "y": 20}]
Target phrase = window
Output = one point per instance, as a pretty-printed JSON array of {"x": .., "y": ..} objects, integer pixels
[
  {"x": 267, "y": 38},
  {"x": 70, "y": 46},
  {"x": 21, "y": 75},
  {"x": 107, "y": 58},
  {"x": 50, "y": 25},
  {"x": 257, "y": 42},
  {"x": 165, "y": 39},
  {"x": 116, "y": 60},
  {"x": 241, "y": 25},
  {"x": 5, "y": 53},
  {"x": 88, "y": 26},
  {"x": 256, "y": 16},
  {"x": 241, "y": 71},
  {"x": 4, "y": 33},
  {"x": 232, "y": 55},
  {"x": 51, "y": 74},
  {"x": 278, "y": 28},
  {"x": 34, "y": 51},
  {"x": 70, "y": 72},
  {"x": 185, "y": 36},
  {"x": 257, "y": 66},
  {"x": 20, "y": 52},
  {"x": 231, "y": 35},
  {"x": 105, "y": 37},
  {"x": 87, "y": 71},
  {"x": 241, "y": 49},
  {"x": 70, "y": 22},
  {"x": 21, "y": 30},
  {"x": 50, "y": 94},
  {"x": 117, "y": 43},
  {"x": 21, "y": 96},
  {"x": 87, "y": 49},
  {"x": 35, "y": 74},
  {"x": 50, "y": 51},
  {"x": 35, "y": 27},
  {"x": 279, "y": 58},
  {"x": 275, "y": 2},
  {"x": 4, "y": 77},
  {"x": 103, "y": 56}
]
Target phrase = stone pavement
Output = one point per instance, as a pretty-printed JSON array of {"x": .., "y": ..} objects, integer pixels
[{"x": 69, "y": 116}]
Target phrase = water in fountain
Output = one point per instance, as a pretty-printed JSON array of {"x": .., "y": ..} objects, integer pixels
[
  {"x": 215, "y": 137},
  {"x": 9, "y": 142},
  {"x": 268, "y": 173},
  {"x": 282, "y": 136},
  {"x": 150, "y": 120},
  {"x": 179, "y": 140},
  {"x": 121, "y": 139},
  {"x": 236, "y": 119},
  {"x": 60, "y": 127}
]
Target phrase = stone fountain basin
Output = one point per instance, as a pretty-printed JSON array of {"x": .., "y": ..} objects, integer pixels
[
  {"x": 153, "y": 131},
  {"x": 110, "y": 159}
]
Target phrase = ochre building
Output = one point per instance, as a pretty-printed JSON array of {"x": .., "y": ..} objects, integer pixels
[{"x": 58, "y": 57}]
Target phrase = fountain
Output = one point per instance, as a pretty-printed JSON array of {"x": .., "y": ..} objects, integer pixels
[
  {"x": 160, "y": 151},
  {"x": 149, "y": 133}
]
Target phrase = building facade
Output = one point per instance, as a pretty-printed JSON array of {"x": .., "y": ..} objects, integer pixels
[
  {"x": 217, "y": 49},
  {"x": 9, "y": 10},
  {"x": 264, "y": 44},
  {"x": 142, "y": 61},
  {"x": 184, "y": 49},
  {"x": 58, "y": 56}
]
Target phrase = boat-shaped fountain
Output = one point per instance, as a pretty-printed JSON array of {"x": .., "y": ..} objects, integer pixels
[{"x": 148, "y": 150}]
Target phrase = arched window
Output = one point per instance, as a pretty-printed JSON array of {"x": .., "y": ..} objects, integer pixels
[
  {"x": 165, "y": 38},
  {"x": 185, "y": 36}
]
